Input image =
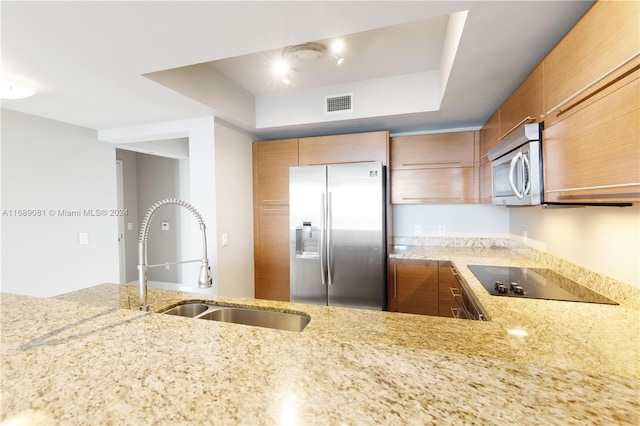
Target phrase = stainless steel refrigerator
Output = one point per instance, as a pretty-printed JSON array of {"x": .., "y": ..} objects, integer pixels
[{"x": 337, "y": 235}]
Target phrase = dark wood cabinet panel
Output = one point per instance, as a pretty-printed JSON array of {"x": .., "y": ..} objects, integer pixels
[{"x": 413, "y": 287}]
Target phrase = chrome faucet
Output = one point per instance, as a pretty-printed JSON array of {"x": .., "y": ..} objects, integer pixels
[{"x": 204, "y": 280}]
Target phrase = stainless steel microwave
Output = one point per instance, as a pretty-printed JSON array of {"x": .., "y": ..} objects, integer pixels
[{"x": 516, "y": 168}]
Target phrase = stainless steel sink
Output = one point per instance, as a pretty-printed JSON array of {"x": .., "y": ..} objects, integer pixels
[
  {"x": 259, "y": 318},
  {"x": 245, "y": 316},
  {"x": 190, "y": 310}
]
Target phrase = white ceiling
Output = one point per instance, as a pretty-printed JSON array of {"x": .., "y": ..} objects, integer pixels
[{"x": 88, "y": 59}]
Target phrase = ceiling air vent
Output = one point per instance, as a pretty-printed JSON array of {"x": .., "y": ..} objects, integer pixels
[{"x": 338, "y": 103}]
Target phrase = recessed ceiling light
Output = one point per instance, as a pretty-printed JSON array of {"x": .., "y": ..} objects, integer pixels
[
  {"x": 13, "y": 89},
  {"x": 337, "y": 46}
]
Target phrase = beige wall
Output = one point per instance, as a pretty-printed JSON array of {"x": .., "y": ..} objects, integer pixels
[
  {"x": 603, "y": 239},
  {"x": 234, "y": 198}
]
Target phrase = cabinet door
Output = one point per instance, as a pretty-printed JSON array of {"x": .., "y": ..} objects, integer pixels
[
  {"x": 447, "y": 286},
  {"x": 439, "y": 150},
  {"x": 606, "y": 36},
  {"x": 593, "y": 153},
  {"x": 435, "y": 168},
  {"x": 489, "y": 136},
  {"x": 413, "y": 287},
  {"x": 271, "y": 162},
  {"x": 350, "y": 148},
  {"x": 524, "y": 105},
  {"x": 448, "y": 185}
]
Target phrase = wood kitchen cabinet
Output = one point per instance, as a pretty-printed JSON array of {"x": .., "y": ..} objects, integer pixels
[
  {"x": 348, "y": 148},
  {"x": 525, "y": 105},
  {"x": 435, "y": 168},
  {"x": 606, "y": 36},
  {"x": 593, "y": 153},
  {"x": 591, "y": 140},
  {"x": 489, "y": 135},
  {"x": 271, "y": 162},
  {"x": 448, "y": 288},
  {"x": 422, "y": 287},
  {"x": 413, "y": 286}
]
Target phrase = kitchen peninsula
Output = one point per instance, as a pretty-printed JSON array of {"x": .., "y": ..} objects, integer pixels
[{"x": 85, "y": 357}]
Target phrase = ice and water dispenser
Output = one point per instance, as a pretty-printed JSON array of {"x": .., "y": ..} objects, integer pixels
[{"x": 307, "y": 240}]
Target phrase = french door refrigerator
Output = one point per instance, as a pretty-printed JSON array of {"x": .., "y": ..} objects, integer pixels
[{"x": 337, "y": 235}]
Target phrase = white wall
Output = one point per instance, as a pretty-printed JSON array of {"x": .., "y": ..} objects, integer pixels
[
  {"x": 235, "y": 212},
  {"x": 371, "y": 98},
  {"x": 603, "y": 239},
  {"x": 51, "y": 166},
  {"x": 470, "y": 220}
]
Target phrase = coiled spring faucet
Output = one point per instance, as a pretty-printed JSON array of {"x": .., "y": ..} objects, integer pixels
[{"x": 204, "y": 279}]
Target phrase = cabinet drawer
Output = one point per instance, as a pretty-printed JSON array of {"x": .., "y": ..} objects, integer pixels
[
  {"x": 449, "y": 185},
  {"x": 592, "y": 154},
  {"x": 433, "y": 151}
]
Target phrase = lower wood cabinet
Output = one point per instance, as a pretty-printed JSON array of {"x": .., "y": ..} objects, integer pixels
[
  {"x": 421, "y": 287},
  {"x": 448, "y": 290}
]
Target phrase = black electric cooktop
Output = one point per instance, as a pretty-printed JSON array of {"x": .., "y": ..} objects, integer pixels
[{"x": 534, "y": 283}]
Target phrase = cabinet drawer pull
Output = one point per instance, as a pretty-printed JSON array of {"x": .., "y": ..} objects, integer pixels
[
  {"x": 431, "y": 199},
  {"x": 523, "y": 121},
  {"x": 395, "y": 281},
  {"x": 455, "y": 312},
  {"x": 590, "y": 188},
  {"x": 453, "y": 292},
  {"x": 432, "y": 163},
  {"x": 558, "y": 108}
]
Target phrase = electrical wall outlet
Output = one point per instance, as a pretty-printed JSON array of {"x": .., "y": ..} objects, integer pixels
[
  {"x": 525, "y": 237},
  {"x": 442, "y": 230},
  {"x": 83, "y": 238},
  {"x": 417, "y": 230}
]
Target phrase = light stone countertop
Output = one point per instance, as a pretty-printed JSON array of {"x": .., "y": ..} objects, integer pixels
[{"x": 84, "y": 358}]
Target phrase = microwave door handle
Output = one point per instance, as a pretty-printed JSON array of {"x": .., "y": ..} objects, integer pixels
[
  {"x": 512, "y": 173},
  {"x": 527, "y": 175}
]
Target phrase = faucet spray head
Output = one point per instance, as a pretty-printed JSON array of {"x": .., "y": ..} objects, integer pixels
[{"x": 205, "y": 280}]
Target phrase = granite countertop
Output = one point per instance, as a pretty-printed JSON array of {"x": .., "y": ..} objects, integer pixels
[{"x": 84, "y": 357}]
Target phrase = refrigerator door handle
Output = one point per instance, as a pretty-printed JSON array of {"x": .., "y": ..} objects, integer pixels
[
  {"x": 329, "y": 228},
  {"x": 323, "y": 227}
]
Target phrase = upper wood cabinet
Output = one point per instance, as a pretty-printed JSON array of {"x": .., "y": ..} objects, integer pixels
[
  {"x": 433, "y": 151},
  {"x": 592, "y": 155},
  {"x": 349, "y": 148},
  {"x": 489, "y": 135},
  {"x": 435, "y": 168},
  {"x": 525, "y": 104},
  {"x": 591, "y": 141},
  {"x": 606, "y": 36},
  {"x": 271, "y": 162}
]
